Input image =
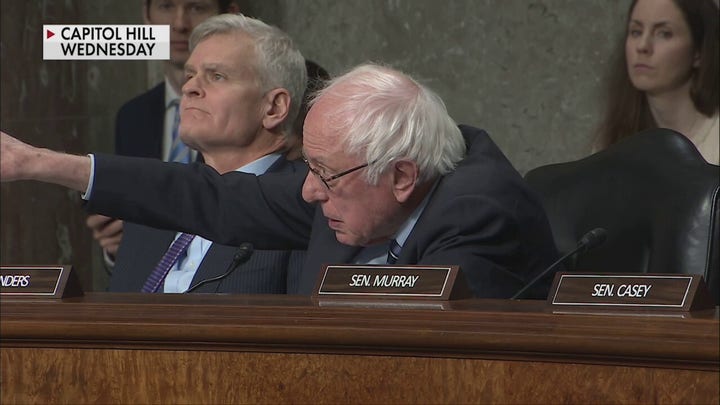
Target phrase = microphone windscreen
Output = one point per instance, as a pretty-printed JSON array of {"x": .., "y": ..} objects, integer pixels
[
  {"x": 243, "y": 251},
  {"x": 594, "y": 238}
]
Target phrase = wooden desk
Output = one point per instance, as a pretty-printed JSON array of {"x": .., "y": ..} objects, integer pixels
[{"x": 155, "y": 348}]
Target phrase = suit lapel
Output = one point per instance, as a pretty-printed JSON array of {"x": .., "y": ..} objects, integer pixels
[
  {"x": 153, "y": 240},
  {"x": 219, "y": 257},
  {"x": 213, "y": 264},
  {"x": 324, "y": 249}
]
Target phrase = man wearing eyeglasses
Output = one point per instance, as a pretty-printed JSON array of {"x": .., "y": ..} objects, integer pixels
[{"x": 388, "y": 168}]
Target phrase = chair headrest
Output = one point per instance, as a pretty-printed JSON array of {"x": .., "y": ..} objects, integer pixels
[{"x": 654, "y": 194}]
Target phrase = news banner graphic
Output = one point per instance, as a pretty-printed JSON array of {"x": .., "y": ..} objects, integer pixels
[{"x": 106, "y": 42}]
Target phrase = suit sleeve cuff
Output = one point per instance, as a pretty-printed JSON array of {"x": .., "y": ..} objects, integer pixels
[{"x": 86, "y": 195}]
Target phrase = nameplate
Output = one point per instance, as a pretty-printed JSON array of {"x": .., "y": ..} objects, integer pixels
[
  {"x": 678, "y": 292},
  {"x": 384, "y": 281},
  {"x": 39, "y": 282}
]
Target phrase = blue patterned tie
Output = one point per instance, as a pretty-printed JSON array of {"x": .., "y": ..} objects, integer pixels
[
  {"x": 179, "y": 152},
  {"x": 393, "y": 252},
  {"x": 178, "y": 247}
]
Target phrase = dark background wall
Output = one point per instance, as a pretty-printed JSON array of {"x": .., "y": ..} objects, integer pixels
[
  {"x": 63, "y": 105},
  {"x": 528, "y": 71}
]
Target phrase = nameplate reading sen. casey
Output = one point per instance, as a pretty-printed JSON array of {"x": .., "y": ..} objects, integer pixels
[{"x": 639, "y": 291}]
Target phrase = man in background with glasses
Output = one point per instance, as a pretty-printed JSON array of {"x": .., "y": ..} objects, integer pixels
[{"x": 391, "y": 179}]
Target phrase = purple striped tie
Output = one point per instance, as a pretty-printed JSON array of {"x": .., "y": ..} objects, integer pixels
[
  {"x": 393, "y": 252},
  {"x": 178, "y": 247}
]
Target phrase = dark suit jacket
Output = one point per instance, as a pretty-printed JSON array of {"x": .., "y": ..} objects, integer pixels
[
  {"x": 267, "y": 271},
  {"x": 139, "y": 125},
  {"x": 482, "y": 216}
]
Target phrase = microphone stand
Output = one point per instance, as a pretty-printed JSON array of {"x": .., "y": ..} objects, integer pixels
[
  {"x": 545, "y": 272},
  {"x": 241, "y": 256},
  {"x": 590, "y": 240}
]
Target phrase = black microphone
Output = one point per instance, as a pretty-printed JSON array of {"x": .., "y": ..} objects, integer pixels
[
  {"x": 242, "y": 255},
  {"x": 590, "y": 240}
]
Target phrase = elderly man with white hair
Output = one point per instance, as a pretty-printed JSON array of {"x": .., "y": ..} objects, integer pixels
[{"x": 387, "y": 167}]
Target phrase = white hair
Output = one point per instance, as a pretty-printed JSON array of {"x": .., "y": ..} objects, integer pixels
[
  {"x": 279, "y": 63},
  {"x": 387, "y": 115}
]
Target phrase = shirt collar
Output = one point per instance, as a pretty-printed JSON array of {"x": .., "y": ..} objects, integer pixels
[
  {"x": 260, "y": 166},
  {"x": 407, "y": 227},
  {"x": 170, "y": 94}
]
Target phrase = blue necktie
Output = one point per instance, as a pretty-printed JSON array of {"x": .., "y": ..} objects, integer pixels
[
  {"x": 179, "y": 152},
  {"x": 177, "y": 248},
  {"x": 393, "y": 252}
]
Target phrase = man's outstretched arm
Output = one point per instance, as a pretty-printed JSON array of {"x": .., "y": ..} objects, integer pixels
[
  {"x": 266, "y": 210},
  {"x": 20, "y": 161}
]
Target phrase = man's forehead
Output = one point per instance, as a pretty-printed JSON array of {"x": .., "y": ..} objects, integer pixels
[
  {"x": 323, "y": 140},
  {"x": 317, "y": 123},
  {"x": 232, "y": 43}
]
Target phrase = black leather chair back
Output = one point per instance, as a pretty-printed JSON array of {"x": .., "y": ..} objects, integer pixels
[{"x": 653, "y": 193}]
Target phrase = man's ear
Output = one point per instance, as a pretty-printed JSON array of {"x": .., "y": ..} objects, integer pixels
[
  {"x": 277, "y": 107},
  {"x": 404, "y": 177},
  {"x": 696, "y": 59}
]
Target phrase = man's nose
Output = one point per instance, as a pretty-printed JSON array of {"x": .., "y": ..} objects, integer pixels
[
  {"x": 192, "y": 87},
  {"x": 313, "y": 189}
]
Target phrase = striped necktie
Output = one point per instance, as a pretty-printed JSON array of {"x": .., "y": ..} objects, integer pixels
[
  {"x": 393, "y": 252},
  {"x": 179, "y": 152},
  {"x": 177, "y": 248}
]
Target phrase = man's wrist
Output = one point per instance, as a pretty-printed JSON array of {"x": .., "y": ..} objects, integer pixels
[{"x": 71, "y": 171}]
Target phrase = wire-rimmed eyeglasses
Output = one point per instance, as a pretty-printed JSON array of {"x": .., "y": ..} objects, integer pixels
[{"x": 326, "y": 180}]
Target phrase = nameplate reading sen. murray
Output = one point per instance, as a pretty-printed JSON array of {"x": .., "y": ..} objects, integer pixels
[{"x": 413, "y": 282}]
